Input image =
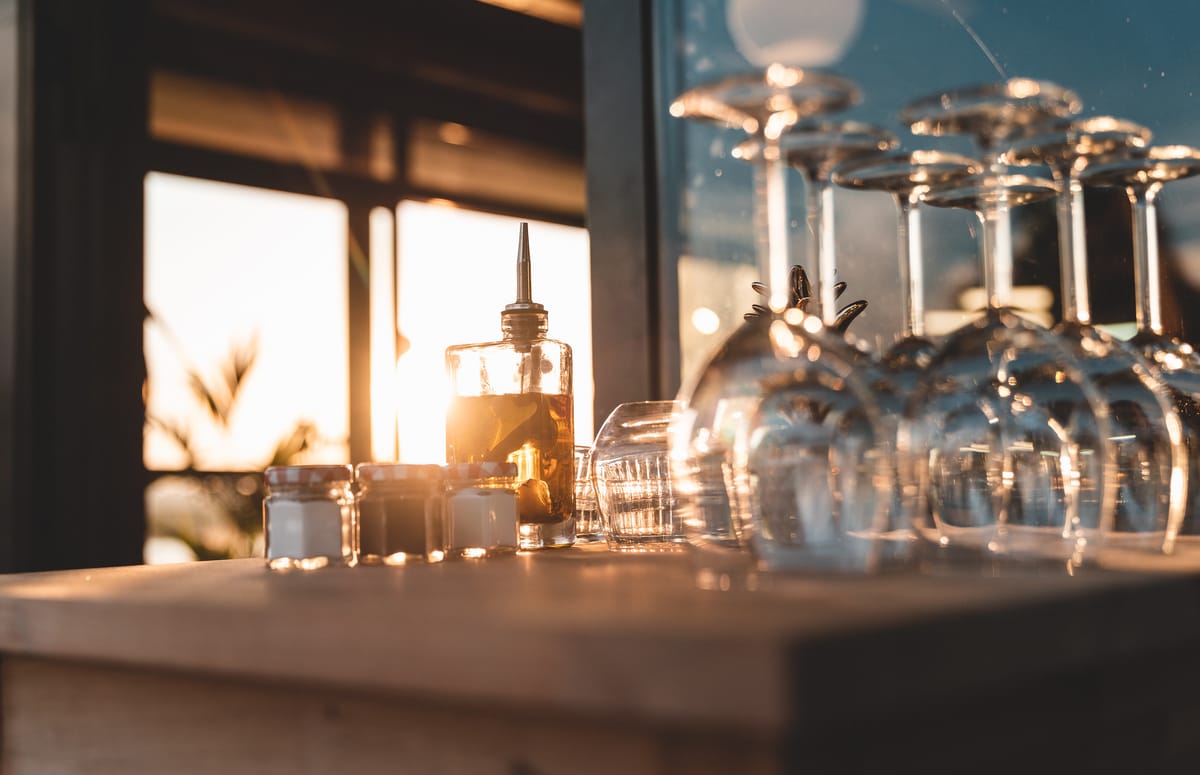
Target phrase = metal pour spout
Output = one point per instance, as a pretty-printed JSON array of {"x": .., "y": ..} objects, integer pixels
[
  {"x": 524, "y": 270},
  {"x": 523, "y": 318}
]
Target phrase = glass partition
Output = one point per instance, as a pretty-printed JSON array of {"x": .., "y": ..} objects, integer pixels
[{"x": 1132, "y": 60}]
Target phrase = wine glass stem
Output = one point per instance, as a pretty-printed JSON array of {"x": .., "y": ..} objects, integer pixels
[
  {"x": 821, "y": 244},
  {"x": 1145, "y": 258},
  {"x": 997, "y": 254},
  {"x": 771, "y": 193},
  {"x": 912, "y": 277},
  {"x": 1072, "y": 250}
]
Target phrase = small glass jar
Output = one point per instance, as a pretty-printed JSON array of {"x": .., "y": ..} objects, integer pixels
[
  {"x": 400, "y": 517},
  {"x": 481, "y": 509},
  {"x": 308, "y": 517}
]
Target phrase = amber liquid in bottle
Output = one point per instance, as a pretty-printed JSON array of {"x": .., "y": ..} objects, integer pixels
[
  {"x": 512, "y": 404},
  {"x": 533, "y": 430}
]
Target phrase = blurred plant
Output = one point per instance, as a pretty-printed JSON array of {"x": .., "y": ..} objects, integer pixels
[{"x": 218, "y": 515}]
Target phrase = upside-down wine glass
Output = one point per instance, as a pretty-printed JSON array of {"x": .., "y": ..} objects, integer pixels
[
  {"x": 1143, "y": 173},
  {"x": 908, "y": 177},
  {"x": 1146, "y": 430},
  {"x": 1005, "y": 440},
  {"x": 779, "y": 448}
]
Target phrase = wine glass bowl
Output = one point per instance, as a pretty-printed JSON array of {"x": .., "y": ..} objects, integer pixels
[
  {"x": 1061, "y": 144},
  {"x": 990, "y": 112},
  {"x": 802, "y": 453},
  {"x": 817, "y": 147},
  {"x": 766, "y": 102}
]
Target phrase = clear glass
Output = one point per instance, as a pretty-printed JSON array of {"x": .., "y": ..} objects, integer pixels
[
  {"x": 779, "y": 449},
  {"x": 1146, "y": 429},
  {"x": 782, "y": 451},
  {"x": 908, "y": 177},
  {"x": 512, "y": 403},
  {"x": 589, "y": 527},
  {"x": 991, "y": 113},
  {"x": 631, "y": 473},
  {"x": 1143, "y": 173},
  {"x": 1006, "y": 441},
  {"x": 308, "y": 517}
]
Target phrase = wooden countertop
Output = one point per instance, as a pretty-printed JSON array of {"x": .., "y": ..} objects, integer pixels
[{"x": 587, "y": 631}]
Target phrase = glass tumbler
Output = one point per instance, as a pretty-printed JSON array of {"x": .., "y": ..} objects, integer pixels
[
  {"x": 589, "y": 528},
  {"x": 631, "y": 471}
]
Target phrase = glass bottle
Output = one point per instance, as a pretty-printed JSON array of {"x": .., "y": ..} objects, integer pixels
[{"x": 512, "y": 403}]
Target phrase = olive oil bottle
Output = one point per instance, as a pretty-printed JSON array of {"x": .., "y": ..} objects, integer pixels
[{"x": 513, "y": 403}]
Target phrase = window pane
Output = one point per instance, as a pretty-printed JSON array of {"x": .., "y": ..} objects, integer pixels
[
  {"x": 243, "y": 275},
  {"x": 457, "y": 271}
]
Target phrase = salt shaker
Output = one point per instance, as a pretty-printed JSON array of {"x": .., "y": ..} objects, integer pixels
[
  {"x": 481, "y": 509},
  {"x": 308, "y": 517}
]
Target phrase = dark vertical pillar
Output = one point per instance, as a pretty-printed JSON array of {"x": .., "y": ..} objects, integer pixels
[
  {"x": 10, "y": 290},
  {"x": 72, "y": 363},
  {"x": 634, "y": 303}
]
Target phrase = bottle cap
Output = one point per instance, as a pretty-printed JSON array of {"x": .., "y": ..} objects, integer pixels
[
  {"x": 394, "y": 472},
  {"x": 283, "y": 475},
  {"x": 472, "y": 471}
]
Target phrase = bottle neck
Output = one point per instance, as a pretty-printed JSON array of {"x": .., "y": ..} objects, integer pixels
[{"x": 523, "y": 325}]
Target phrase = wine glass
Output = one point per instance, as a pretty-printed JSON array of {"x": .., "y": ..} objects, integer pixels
[
  {"x": 815, "y": 148},
  {"x": 779, "y": 448},
  {"x": 991, "y": 113},
  {"x": 1143, "y": 172},
  {"x": 1147, "y": 433},
  {"x": 1005, "y": 438},
  {"x": 907, "y": 176}
]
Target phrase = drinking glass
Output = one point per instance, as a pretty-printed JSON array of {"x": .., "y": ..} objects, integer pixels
[
  {"x": 1143, "y": 172},
  {"x": 1005, "y": 439},
  {"x": 589, "y": 527},
  {"x": 631, "y": 472},
  {"x": 779, "y": 448},
  {"x": 908, "y": 177},
  {"x": 1147, "y": 433}
]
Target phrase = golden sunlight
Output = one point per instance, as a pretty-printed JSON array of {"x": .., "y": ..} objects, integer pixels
[{"x": 457, "y": 271}]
